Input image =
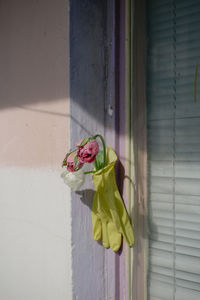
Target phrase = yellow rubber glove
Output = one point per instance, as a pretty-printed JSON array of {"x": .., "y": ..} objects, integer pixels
[{"x": 109, "y": 216}]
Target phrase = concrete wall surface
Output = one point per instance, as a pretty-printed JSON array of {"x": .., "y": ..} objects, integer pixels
[{"x": 35, "y": 222}]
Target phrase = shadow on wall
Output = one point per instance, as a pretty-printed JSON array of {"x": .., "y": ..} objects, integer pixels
[
  {"x": 88, "y": 63},
  {"x": 34, "y": 58},
  {"x": 34, "y": 78}
]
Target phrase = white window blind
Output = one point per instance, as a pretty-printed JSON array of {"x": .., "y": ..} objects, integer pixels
[{"x": 173, "y": 113}]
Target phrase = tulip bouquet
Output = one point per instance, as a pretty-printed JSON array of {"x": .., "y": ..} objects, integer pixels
[
  {"x": 110, "y": 219},
  {"x": 87, "y": 151}
]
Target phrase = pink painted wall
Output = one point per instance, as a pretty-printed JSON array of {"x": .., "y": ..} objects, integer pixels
[
  {"x": 35, "y": 135},
  {"x": 35, "y": 224},
  {"x": 33, "y": 82}
]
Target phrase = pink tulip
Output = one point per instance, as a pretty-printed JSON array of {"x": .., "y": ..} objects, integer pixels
[
  {"x": 71, "y": 165},
  {"x": 88, "y": 152}
]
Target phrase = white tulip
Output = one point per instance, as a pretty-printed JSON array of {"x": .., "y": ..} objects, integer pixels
[{"x": 73, "y": 179}]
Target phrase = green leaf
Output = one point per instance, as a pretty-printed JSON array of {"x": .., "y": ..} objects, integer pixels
[
  {"x": 76, "y": 162},
  {"x": 100, "y": 160},
  {"x": 84, "y": 141},
  {"x": 64, "y": 163}
]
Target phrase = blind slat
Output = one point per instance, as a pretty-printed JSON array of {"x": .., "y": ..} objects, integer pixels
[{"x": 173, "y": 139}]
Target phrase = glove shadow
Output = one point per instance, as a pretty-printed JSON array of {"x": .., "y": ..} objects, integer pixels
[{"x": 86, "y": 197}]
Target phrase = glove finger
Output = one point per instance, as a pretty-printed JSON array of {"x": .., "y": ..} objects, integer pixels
[
  {"x": 123, "y": 225},
  {"x": 115, "y": 237},
  {"x": 105, "y": 240},
  {"x": 97, "y": 227},
  {"x": 122, "y": 220},
  {"x": 127, "y": 231}
]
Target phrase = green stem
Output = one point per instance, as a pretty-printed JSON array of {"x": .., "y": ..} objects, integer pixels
[
  {"x": 89, "y": 172},
  {"x": 95, "y": 164},
  {"x": 104, "y": 147}
]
